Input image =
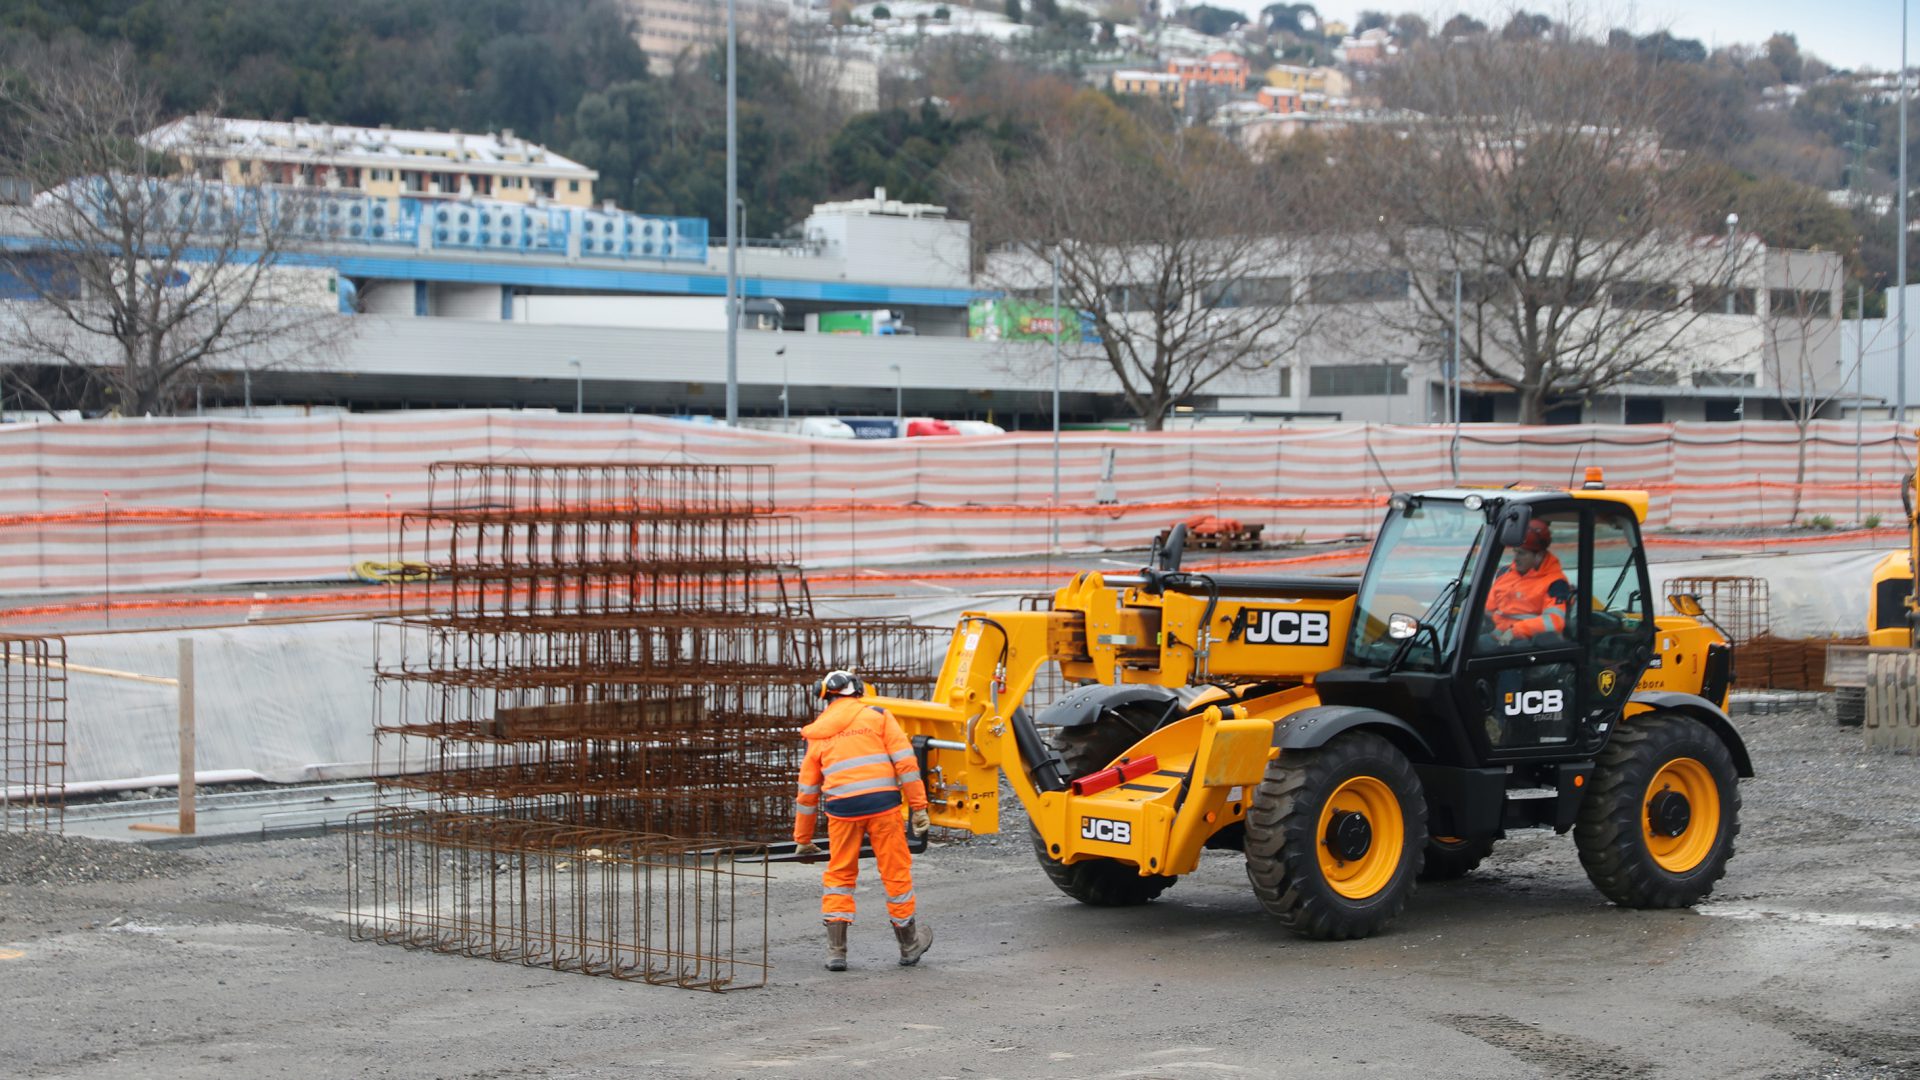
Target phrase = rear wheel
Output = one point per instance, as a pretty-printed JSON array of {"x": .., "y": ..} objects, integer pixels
[
  {"x": 1335, "y": 837},
  {"x": 1085, "y": 749},
  {"x": 1657, "y": 828},
  {"x": 1450, "y": 857}
]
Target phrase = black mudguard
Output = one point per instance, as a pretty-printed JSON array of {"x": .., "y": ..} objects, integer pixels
[
  {"x": 1084, "y": 705},
  {"x": 1708, "y": 713},
  {"x": 1316, "y": 726}
]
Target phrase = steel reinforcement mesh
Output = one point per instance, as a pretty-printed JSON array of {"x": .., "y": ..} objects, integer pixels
[
  {"x": 615, "y": 903},
  {"x": 33, "y": 733},
  {"x": 1741, "y": 606},
  {"x": 618, "y": 651}
]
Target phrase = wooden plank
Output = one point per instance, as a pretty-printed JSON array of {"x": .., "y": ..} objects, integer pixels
[
  {"x": 187, "y": 755},
  {"x": 82, "y": 669}
]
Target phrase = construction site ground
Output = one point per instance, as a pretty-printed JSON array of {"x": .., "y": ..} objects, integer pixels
[{"x": 233, "y": 960}]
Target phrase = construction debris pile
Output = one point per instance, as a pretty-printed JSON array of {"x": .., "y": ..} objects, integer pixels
[
  {"x": 597, "y": 725},
  {"x": 33, "y": 729}
]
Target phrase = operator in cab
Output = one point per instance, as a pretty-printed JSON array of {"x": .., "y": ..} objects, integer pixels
[
  {"x": 1528, "y": 600},
  {"x": 861, "y": 764}
]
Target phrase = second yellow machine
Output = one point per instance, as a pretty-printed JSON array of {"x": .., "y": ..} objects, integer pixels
[{"x": 1352, "y": 735}]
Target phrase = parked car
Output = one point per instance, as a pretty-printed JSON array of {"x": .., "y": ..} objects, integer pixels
[
  {"x": 977, "y": 427},
  {"x": 926, "y": 425},
  {"x": 826, "y": 427}
]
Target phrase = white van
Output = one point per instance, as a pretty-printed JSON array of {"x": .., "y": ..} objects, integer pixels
[
  {"x": 826, "y": 427},
  {"x": 977, "y": 427}
]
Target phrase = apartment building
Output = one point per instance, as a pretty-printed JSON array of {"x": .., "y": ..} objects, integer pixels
[
  {"x": 666, "y": 29},
  {"x": 1223, "y": 69},
  {"x": 1152, "y": 84},
  {"x": 380, "y": 162},
  {"x": 1332, "y": 82}
]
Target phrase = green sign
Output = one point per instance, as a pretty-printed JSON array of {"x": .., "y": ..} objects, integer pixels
[{"x": 1021, "y": 320}]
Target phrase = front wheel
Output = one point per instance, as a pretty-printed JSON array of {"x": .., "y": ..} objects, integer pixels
[
  {"x": 1336, "y": 836},
  {"x": 1657, "y": 828},
  {"x": 1081, "y": 750}
]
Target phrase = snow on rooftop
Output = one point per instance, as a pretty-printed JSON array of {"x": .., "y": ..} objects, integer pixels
[{"x": 275, "y": 140}]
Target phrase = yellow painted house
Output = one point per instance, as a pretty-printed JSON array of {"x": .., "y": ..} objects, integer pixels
[{"x": 381, "y": 162}]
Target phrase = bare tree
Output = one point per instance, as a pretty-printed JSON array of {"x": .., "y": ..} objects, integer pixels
[
  {"x": 1535, "y": 170},
  {"x": 1184, "y": 259},
  {"x": 1802, "y": 326},
  {"x": 147, "y": 274}
]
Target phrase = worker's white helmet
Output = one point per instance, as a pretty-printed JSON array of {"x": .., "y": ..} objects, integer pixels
[{"x": 841, "y": 684}]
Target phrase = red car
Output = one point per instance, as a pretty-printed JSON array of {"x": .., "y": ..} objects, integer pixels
[{"x": 924, "y": 426}]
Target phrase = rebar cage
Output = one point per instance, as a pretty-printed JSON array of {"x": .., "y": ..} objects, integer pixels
[
  {"x": 615, "y": 903},
  {"x": 617, "y": 651},
  {"x": 33, "y": 733}
]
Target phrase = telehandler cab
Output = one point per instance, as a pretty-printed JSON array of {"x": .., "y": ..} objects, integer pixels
[{"x": 1352, "y": 735}]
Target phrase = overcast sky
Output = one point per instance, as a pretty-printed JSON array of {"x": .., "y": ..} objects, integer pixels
[{"x": 1846, "y": 33}]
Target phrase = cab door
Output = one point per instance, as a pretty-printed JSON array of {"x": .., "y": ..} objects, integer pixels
[
  {"x": 1620, "y": 629},
  {"x": 1521, "y": 693}
]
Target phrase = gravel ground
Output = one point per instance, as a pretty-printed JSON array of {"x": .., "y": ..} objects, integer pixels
[{"x": 123, "y": 962}]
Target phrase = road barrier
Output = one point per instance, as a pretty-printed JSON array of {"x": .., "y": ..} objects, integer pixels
[{"x": 153, "y": 504}]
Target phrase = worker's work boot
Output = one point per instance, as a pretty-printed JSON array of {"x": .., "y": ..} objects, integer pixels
[
  {"x": 914, "y": 941},
  {"x": 837, "y": 945}
]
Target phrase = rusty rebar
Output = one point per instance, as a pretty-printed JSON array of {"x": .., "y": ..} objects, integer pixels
[
  {"x": 621, "y": 663},
  {"x": 616, "y": 903},
  {"x": 33, "y": 733}
]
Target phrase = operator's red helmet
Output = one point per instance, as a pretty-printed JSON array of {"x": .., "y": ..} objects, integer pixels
[{"x": 1539, "y": 536}]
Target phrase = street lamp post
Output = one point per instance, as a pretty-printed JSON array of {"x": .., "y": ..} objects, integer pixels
[
  {"x": 1900, "y": 246},
  {"x": 733, "y": 206},
  {"x": 1056, "y": 395},
  {"x": 1733, "y": 222},
  {"x": 579, "y": 387},
  {"x": 781, "y": 352},
  {"x": 899, "y": 394}
]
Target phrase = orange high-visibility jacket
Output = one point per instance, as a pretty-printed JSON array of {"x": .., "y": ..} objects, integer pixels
[
  {"x": 1530, "y": 604},
  {"x": 859, "y": 759}
]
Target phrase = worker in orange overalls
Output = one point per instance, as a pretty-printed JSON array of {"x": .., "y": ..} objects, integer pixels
[
  {"x": 859, "y": 759},
  {"x": 1529, "y": 598}
]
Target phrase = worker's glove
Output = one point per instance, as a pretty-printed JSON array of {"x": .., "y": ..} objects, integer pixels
[
  {"x": 920, "y": 821},
  {"x": 1504, "y": 637},
  {"x": 806, "y": 847}
]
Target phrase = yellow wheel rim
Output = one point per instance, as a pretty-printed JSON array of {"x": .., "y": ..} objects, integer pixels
[
  {"x": 1364, "y": 876},
  {"x": 1689, "y": 779}
]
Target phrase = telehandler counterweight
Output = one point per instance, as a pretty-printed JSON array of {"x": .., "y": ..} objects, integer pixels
[{"x": 1352, "y": 735}]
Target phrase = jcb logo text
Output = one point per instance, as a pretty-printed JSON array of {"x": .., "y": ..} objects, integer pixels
[
  {"x": 1268, "y": 627},
  {"x": 1115, "y": 832},
  {"x": 1535, "y": 702}
]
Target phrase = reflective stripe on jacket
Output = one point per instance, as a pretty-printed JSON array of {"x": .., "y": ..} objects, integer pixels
[
  {"x": 859, "y": 761},
  {"x": 1530, "y": 604}
]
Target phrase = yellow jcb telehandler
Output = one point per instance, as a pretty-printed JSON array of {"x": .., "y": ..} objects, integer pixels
[{"x": 1352, "y": 735}]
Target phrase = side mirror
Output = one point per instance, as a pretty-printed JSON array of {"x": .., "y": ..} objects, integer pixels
[
  {"x": 1687, "y": 604},
  {"x": 1513, "y": 527},
  {"x": 1176, "y": 546},
  {"x": 1401, "y": 626}
]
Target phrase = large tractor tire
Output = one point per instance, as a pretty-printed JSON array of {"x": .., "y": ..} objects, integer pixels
[
  {"x": 1086, "y": 749},
  {"x": 1850, "y": 706},
  {"x": 1657, "y": 827},
  {"x": 1336, "y": 837},
  {"x": 1450, "y": 857}
]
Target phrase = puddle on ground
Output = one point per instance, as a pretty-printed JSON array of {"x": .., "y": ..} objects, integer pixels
[{"x": 1843, "y": 920}]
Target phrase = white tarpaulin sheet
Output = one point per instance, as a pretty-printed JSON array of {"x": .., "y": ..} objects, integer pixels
[
  {"x": 151, "y": 504},
  {"x": 295, "y": 702}
]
